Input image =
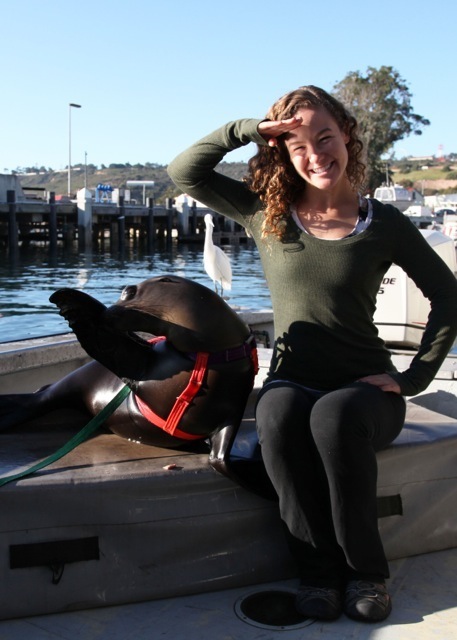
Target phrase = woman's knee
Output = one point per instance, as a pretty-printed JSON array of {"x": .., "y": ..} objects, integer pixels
[
  {"x": 281, "y": 412},
  {"x": 357, "y": 412}
]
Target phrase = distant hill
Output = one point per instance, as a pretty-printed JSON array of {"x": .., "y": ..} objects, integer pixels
[
  {"x": 117, "y": 175},
  {"x": 436, "y": 179}
]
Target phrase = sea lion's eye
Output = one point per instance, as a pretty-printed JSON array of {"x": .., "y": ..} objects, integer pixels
[{"x": 129, "y": 292}]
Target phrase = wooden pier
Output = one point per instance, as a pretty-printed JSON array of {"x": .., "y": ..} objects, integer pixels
[{"x": 89, "y": 223}]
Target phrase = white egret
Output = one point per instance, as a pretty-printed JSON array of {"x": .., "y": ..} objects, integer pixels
[{"x": 216, "y": 262}]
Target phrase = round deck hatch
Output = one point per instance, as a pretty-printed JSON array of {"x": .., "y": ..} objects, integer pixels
[{"x": 271, "y": 609}]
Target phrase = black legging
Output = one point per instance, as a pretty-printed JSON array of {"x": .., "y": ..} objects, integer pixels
[{"x": 319, "y": 451}]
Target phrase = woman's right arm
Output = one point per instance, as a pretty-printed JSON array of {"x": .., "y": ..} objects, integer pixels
[{"x": 193, "y": 171}]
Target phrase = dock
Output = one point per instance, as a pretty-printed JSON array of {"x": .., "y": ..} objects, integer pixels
[{"x": 52, "y": 222}]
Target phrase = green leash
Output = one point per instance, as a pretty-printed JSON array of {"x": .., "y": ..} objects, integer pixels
[{"x": 76, "y": 440}]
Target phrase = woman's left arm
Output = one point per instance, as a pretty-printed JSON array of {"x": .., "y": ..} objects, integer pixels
[{"x": 437, "y": 282}]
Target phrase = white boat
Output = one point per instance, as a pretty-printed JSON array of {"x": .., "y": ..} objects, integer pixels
[
  {"x": 125, "y": 540},
  {"x": 409, "y": 201},
  {"x": 400, "y": 197},
  {"x": 448, "y": 226},
  {"x": 420, "y": 215}
]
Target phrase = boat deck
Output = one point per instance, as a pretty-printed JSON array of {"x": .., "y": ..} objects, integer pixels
[
  {"x": 423, "y": 589},
  {"x": 119, "y": 540}
]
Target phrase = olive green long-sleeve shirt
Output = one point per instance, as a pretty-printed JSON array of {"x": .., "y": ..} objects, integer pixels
[{"x": 324, "y": 292}]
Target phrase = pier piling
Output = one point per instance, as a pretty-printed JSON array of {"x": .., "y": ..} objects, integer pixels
[
  {"x": 13, "y": 235},
  {"x": 169, "y": 215},
  {"x": 150, "y": 227},
  {"x": 52, "y": 221}
]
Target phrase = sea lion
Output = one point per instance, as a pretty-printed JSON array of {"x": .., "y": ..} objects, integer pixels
[{"x": 206, "y": 350}]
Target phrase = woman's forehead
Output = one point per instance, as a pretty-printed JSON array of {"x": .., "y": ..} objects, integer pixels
[{"x": 313, "y": 120}]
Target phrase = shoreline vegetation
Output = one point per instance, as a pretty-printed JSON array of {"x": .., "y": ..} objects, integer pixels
[{"x": 115, "y": 175}]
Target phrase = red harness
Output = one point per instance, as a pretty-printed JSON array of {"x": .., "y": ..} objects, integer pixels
[{"x": 170, "y": 425}]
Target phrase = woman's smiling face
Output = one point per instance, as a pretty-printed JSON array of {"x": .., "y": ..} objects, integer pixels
[{"x": 317, "y": 149}]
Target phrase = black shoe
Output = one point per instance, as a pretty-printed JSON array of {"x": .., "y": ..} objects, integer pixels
[
  {"x": 322, "y": 603},
  {"x": 367, "y": 601}
]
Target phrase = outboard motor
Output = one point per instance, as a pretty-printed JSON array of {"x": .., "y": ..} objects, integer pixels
[{"x": 402, "y": 310}]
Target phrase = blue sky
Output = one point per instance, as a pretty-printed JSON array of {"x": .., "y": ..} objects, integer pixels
[{"x": 153, "y": 76}]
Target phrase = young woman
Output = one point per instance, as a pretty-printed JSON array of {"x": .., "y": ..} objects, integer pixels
[{"x": 333, "y": 397}]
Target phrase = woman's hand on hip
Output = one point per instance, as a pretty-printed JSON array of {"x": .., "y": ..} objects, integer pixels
[
  {"x": 270, "y": 130},
  {"x": 383, "y": 381}
]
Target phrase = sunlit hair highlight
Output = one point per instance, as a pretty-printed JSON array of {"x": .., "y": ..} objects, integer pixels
[{"x": 270, "y": 172}]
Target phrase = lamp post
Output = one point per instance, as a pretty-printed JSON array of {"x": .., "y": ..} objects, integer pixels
[{"x": 77, "y": 106}]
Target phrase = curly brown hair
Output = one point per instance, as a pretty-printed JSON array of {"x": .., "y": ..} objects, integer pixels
[{"x": 270, "y": 172}]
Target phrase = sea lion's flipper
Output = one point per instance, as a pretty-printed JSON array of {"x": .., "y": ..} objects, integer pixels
[
  {"x": 236, "y": 454},
  {"x": 221, "y": 445},
  {"x": 18, "y": 408},
  {"x": 124, "y": 354}
]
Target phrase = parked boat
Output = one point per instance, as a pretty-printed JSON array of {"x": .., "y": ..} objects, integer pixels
[
  {"x": 399, "y": 196},
  {"x": 420, "y": 215},
  {"x": 177, "y": 550},
  {"x": 409, "y": 201},
  {"x": 448, "y": 226}
]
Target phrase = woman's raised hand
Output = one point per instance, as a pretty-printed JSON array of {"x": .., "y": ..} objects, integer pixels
[{"x": 270, "y": 130}]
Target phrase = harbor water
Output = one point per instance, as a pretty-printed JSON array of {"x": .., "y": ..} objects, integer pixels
[{"x": 27, "y": 282}]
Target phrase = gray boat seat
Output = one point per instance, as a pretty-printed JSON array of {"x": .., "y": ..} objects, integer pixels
[{"x": 116, "y": 522}]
